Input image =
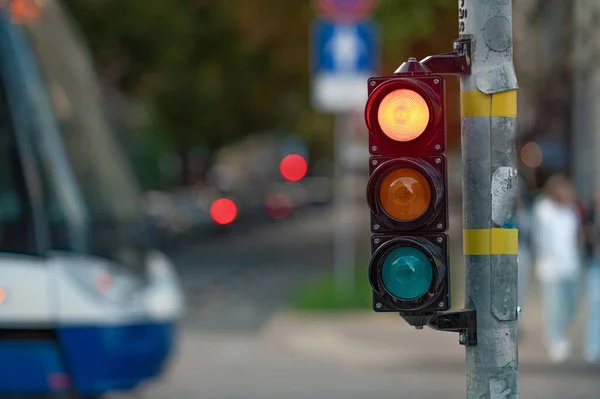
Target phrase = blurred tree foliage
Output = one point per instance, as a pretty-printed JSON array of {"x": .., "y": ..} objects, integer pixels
[{"x": 220, "y": 69}]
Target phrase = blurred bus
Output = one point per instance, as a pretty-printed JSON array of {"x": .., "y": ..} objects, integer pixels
[{"x": 87, "y": 305}]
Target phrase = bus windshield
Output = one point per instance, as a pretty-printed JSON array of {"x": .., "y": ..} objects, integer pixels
[{"x": 99, "y": 164}]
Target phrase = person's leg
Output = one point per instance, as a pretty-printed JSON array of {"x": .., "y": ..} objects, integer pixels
[
  {"x": 592, "y": 331},
  {"x": 556, "y": 300},
  {"x": 573, "y": 292}
]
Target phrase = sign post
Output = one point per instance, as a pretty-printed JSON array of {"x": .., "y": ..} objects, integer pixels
[{"x": 345, "y": 53}]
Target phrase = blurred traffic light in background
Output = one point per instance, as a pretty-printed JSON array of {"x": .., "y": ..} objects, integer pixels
[
  {"x": 223, "y": 211},
  {"x": 293, "y": 167},
  {"x": 407, "y": 191}
]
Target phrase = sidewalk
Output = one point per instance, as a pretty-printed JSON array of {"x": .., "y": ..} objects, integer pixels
[{"x": 367, "y": 339}]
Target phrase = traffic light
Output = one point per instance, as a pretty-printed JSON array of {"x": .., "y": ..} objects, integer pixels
[{"x": 407, "y": 192}]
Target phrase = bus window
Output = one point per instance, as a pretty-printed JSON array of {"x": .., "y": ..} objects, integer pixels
[
  {"x": 104, "y": 177},
  {"x": 17, "y": 234},
  {"x": 101, "y": 168}
]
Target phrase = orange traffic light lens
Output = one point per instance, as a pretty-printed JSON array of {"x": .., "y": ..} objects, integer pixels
[
  {"x": 405, "y": 194},
  {"x": 403, "y": 115}
]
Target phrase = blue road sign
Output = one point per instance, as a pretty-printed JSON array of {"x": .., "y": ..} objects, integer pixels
[
  {"x": 344, "y": 56},
  {"x": 345, "y": 48}
]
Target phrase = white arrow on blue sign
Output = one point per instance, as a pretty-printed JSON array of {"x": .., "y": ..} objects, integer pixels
[{"x": 344, "y": 56}]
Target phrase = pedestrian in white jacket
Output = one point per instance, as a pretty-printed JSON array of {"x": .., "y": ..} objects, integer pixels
[{"x": 558, "y": 265}]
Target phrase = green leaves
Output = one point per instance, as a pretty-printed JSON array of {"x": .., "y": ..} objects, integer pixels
[
  {"x": 219, "y": 70},
  {"x": 413, "y": 28}
]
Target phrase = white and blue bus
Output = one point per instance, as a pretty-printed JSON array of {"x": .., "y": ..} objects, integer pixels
[{"x": 87, "y": 305}]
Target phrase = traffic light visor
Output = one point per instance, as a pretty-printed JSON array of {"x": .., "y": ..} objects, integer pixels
[
  {"x": 403, "y": 115},
  {"x": 407, "y": 273},
  {"x": 405, "y": 194}
]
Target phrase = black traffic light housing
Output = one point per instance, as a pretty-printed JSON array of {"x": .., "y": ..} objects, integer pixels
[
  {"x": 425, "y": 154},
  {"x": 414, "y": 142}
]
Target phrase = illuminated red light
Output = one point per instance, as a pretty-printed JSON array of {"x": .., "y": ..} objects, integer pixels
[
  {"x": 223, "y": 211},
  {"x": 293, "y": 167},
  {"x": 403, "y": 115}
]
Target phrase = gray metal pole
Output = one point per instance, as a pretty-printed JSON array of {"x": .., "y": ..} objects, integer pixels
[
  {"x": 344, "y": 239},
  {"x": 488, "y": 111}
]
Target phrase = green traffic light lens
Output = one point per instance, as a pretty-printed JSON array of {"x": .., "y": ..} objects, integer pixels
[{"x": 407, "y": 273}]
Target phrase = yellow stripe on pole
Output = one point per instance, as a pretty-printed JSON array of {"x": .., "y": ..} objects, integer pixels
[
  {"x": 478, "y": 104},
  {"x": 491, "y": 241}
]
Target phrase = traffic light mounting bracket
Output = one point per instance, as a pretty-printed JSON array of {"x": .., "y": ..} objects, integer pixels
[
  {"x": 456, "y": 63},
  {"x": 463, "y": 322}
]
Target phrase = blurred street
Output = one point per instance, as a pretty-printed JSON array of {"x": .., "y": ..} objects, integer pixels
[
  {"x": 241, "y": 341},
  {"x": 236, "y": 282}
]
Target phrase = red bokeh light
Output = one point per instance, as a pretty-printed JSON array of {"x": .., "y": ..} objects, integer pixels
[
  {"x": 293, "y": 167},
  {"x": 223, "y": 211},
  {"x": 278, "y": 206}
]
